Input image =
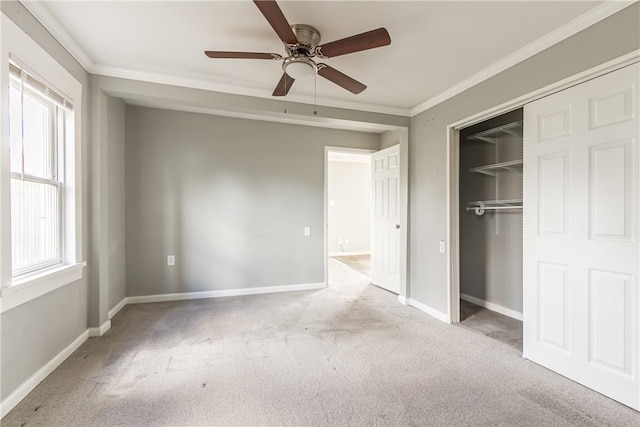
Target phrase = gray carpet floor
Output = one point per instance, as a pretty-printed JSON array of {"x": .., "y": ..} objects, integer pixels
[
  {"x": 495, "y": 325},
  {"x": 346, "y": 355}
]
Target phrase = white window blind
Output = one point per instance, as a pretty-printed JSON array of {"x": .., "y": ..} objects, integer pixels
[
  {"x": 36, "y": 133},
  {"x": 32, "y": 81}
]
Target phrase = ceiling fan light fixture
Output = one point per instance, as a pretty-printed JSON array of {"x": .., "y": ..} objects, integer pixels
[{"x": 299, "y": 68}]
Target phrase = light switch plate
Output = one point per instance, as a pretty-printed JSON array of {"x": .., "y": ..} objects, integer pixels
[
  {"x": 442, "y": 247},
  {"x": 171, "y": 260},
  {"x": 307, "y": 231}
]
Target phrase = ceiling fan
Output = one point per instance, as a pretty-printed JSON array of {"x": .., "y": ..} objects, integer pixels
[{"x": 301, "y": 43}]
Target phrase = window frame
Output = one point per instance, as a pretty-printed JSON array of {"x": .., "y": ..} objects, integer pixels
[
  {"x": 56, "y": 142},
  {"x": 16, "y": 46}
]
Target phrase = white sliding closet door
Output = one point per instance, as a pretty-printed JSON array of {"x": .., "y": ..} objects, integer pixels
[
  {"x": 581, "y": 234},
  {"x": 385, "y": 233}
]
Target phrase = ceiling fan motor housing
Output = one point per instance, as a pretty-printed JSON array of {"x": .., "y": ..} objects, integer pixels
[{"x": 307, "y": 36}]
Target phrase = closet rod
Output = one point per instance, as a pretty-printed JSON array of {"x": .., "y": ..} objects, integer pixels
[
  {"x": 486, "y": 208},
  {"x": 480, "y": 209}
]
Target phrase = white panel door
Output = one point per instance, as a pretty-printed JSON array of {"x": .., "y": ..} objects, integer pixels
[
  {"x": 581, "y": 234},
  {"x": 385, "y": 224}
]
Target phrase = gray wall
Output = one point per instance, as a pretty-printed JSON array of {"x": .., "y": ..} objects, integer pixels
[
  {"x": 228, "y": 197},
  {"x": 349, "y": 187},
  {"x": 610, "y": 38},
  {"x": 116, "y": 258},
  {"x": 36, "y": 331}
]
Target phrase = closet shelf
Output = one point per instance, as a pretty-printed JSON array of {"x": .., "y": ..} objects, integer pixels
[
  {"x": 490, "y": 135},
  {"x": 513, "y": 165},
  {"x": 480, "y": 206}
]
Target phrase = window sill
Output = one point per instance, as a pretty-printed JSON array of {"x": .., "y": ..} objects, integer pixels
[{"x": 24, "y": 290}]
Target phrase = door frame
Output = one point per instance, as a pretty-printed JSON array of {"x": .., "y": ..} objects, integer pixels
[
  {"x": 453, "y": 164},
  {"x": 403, "y": 141}
]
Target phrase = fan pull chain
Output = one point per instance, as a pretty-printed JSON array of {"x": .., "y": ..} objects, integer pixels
[
  {"x": 315, "y": 94},
  {"x": 285, "y": 94}
]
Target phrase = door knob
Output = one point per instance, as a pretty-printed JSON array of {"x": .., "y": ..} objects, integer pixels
[{"x": 397, "y": 225}]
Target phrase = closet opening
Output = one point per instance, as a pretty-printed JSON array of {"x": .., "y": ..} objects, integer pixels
[{"x": 490, "y": 227}]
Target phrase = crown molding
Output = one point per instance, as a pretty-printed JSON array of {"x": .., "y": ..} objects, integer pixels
[
  {"x": 51, "y": 24},
  {"x": 571, "y": 28}
]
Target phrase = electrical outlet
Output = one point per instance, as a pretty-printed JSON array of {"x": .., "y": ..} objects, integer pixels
[
  {"x": 443, "y": 247},
  {"x": 307, "y": 231},
  {"x": 171, "y": 260}
]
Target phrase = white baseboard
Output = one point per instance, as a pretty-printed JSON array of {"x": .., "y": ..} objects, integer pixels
[
  {"x": 119, "y": 306},
  {"x": 100, "y": 331},
  {"x": 430, "y": 311},
  {"x": 492, "y": 306},
  {"x": 349, "y": 253},
  {"x": 26, "y": 387},
  {"x": 224, "y": 293},
  {"x": 403, "y": 300}
]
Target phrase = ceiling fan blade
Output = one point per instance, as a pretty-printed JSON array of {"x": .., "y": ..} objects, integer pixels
[
  {"x": 241, "y": 55},
  {"x": 341, "y": 79},
  {"x": 369, "y": 40},
  {"x": 275, "y": 17},
  {"x": 284, "y": 85}
]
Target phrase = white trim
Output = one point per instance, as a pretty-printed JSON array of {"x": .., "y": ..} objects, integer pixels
[
  {"x": 404, "y": 211},
  {"x": 116, "y": 309},
  {"x": 403, "y": 300},
  {"x": 26, "y": 387},
  {"x": 57, "y": 30},
  {"x": 492, "y": 306},
  {"x": 100, "y": 331},
  {"x": 569, "y": 29},
  {"x": 350, "y": 253},
  {"x": 223, "y": 293},
  {"x": 36, "y": 285},
  {"x": 429, "y": 310},
  {"x": 453, "y": 225}
]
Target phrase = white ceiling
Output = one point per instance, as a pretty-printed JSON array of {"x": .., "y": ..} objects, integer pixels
[{"x": 435, "y": 44}]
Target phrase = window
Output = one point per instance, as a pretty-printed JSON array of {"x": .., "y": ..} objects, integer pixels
[
  {"x": 41, "y": 166},
  {"x": 37, "y": 139}
]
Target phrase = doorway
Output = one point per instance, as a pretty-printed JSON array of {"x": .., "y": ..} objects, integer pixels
[
  {"x": 349, "y": 216},
  {"x": 490, "y": 228}
]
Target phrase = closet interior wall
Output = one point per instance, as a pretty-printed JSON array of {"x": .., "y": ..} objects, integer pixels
[{"x": 491, "y": 243}]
